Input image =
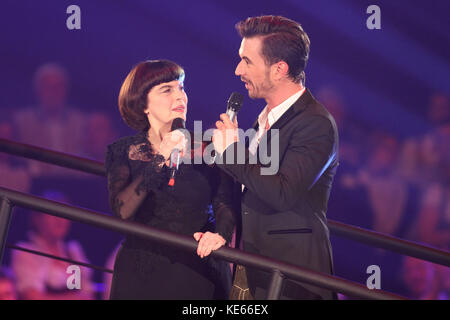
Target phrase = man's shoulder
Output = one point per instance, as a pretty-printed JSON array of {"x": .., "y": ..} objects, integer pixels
[{"x": 315, "y": 112}]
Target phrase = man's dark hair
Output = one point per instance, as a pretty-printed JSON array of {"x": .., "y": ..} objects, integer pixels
[
  {"x": 283, "y": 40},
  {"x": 141, "y": 79}
]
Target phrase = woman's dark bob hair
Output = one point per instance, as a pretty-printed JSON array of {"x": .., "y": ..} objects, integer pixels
[{"x": 141, "y": 79}]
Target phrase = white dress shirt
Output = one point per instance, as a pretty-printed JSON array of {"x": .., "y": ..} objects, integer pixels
[{"x": 271, "y": 117}]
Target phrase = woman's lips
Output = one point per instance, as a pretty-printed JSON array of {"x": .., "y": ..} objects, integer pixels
[{"x": 179, "y": 109}]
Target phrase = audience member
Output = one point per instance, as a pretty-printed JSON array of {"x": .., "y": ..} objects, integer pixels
[
  {"x": 13, "y": 173},
  {"x": 433, "y": 224},
  {"x": 52, "y": 123},
  {"x": 421, "y": 281},
  {"x": 42, "y": 278},
  {"x": 438, "y": 112},
  {"x": 392, "y": 200},
  {"x": 99, "y": 133},
  {"x": 7, "y": 286},
  {"x": 348, "y": 201}
]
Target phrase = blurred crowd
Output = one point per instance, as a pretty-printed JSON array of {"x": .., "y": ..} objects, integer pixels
[
  {"x": 54, "y": 124},
  {"x": 394, "y": 185}
]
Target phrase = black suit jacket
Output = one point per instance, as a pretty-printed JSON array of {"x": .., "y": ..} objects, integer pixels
[{"x": 284, "y": 214}]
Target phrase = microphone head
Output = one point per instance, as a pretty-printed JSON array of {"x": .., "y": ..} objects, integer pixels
[
  {"x": 178, "y": 123},
  {"x": 235, "y": 101}
]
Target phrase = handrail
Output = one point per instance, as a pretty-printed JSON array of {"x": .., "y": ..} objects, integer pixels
[
  {"x": 388, "y": 242},
  {"x": 189, "y": 244},
  {"x": 372, "y": 238},
  {"x": 51, "y": 256},
  {"x": 54, "y": 157}
]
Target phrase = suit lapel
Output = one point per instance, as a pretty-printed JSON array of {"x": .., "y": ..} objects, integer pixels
[
  {"x": 250, "y": 138},
  {"x": 290, "y": 113},
  {"x": 255, "y": 124}
]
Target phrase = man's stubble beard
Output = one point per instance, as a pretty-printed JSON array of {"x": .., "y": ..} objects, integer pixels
[{"x": 263, "y": 91}]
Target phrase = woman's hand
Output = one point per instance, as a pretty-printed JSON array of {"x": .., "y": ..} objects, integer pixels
[
  {"x": 172, "y": 140},
  {"x": 208, "y": 242}
]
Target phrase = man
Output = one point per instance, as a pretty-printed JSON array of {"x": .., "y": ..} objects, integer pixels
[
  {"x": 51, "y": 123},
  {"x": 283, "y": 214}
]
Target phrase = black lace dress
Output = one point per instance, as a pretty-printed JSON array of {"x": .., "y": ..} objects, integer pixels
[{"x": 137, "y": 183}]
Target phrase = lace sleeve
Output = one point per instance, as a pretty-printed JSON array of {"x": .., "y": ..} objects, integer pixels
[
  {"x": 223, "y": 208},
  {"x": 125, "y": 194}
]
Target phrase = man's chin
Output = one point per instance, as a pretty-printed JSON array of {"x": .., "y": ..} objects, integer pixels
[{"x": 253, "y": 95}]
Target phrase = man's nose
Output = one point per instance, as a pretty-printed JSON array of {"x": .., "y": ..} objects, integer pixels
[{"x": 238, "y": 70}]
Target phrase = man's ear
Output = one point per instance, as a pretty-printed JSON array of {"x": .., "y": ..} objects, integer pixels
[{"x": 280, "y": 70}]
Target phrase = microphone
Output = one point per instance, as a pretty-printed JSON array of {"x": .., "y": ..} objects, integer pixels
[
  {"x": 177, "y": 123},
  {"x": 234, "y": 104}
]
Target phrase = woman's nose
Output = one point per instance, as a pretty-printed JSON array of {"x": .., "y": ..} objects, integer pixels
[{"x": 180, "y": 94}]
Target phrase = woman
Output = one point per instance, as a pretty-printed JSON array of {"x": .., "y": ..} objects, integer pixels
[{"x": 151, "y": 97}]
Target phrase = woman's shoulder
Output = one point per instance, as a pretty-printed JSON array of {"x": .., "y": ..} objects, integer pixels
[
  {"x": 117, "y": 152},
  {"x": 124, "y": 142}
]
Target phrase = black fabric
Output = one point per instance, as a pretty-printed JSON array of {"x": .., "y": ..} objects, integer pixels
[
  {"x": 295, "y": 197},
  {"x": 137, "y": 183}
]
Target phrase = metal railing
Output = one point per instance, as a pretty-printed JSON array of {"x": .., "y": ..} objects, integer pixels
[
  {"x": 278, "y": 269},
  {"x": 369, "y": 237}
]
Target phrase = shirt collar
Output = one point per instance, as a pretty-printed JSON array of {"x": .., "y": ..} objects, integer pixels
[{"x": 279, "y": 110}]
